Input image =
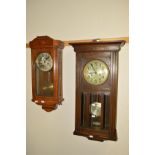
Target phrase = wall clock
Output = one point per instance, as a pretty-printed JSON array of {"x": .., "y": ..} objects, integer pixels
[
  {"x": 96, "y": 89},
  {"x": 46, "y": 62}
]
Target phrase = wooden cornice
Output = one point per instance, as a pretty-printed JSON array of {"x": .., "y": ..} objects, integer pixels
[{"x": 67, "y": 43}]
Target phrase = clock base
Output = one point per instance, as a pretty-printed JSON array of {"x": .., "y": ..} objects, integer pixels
[
  {"x": 49, "y": 106},
  {"x": 96, "y": 137}
]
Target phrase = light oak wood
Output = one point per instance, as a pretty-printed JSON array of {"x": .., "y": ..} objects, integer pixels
[
  {"x": 67, "y": 43},
  {"x": 126, "y": 39}
]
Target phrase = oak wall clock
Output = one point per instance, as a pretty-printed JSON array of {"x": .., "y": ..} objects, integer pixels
[
  {"x": 96, "y": 89},
  {"x": 46, "y": 62}
]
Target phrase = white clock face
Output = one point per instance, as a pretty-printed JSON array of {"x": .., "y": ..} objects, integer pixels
[
  {"x": 44, "y": 61},
  {"x": 96, "y": 72}
]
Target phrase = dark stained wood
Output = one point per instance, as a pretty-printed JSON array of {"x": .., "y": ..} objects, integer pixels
[
  {"x": 54, "y": 48},
  {"x": 105, "y": 93},
  {"x": 102, "y": 119},
  {"x": 106, "y": 108},
  {"x": 87, "y": 110}
]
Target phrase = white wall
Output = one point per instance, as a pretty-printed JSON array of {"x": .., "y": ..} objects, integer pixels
[{"x": 52, "y": 133}]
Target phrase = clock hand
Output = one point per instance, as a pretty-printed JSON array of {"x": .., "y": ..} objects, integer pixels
[
  {"x": 91, "y": 73},
  {"x": 93, "y": 69}
]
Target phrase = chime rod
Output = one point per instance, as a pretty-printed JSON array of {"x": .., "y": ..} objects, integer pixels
[{"x": 67, "y": 43}]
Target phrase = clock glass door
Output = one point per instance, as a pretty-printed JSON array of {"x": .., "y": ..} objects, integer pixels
[
  {"x": 44, "y": 75},
  {"x": 94, "y": 111}
]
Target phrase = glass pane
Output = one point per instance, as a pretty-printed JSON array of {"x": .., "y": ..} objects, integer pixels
[
  {"x": 44, "y": 61},
  {"x": 96, "y": 114},
  {"x": 44, "y": 83}
]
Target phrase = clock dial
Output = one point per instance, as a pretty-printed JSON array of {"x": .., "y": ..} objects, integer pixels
[
  {"x": 44, "y": 61},
  {"x": 96, "y": 72}
]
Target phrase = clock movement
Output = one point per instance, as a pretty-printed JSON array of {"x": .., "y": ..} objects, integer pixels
[
  {"x": 46, "y": 63},
  {"x": 96, "y": 89}
]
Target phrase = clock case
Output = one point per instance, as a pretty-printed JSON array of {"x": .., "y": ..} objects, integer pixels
[
  {"x": 106, "y": 93},
  {"x": 54, "y": 48}
]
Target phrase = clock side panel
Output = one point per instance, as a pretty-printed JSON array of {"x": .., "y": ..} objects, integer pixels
[
  {"x": 113, "y": 97},
  {"x": 78, "y": 85},
  {"x": 60, "y": 80}
]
